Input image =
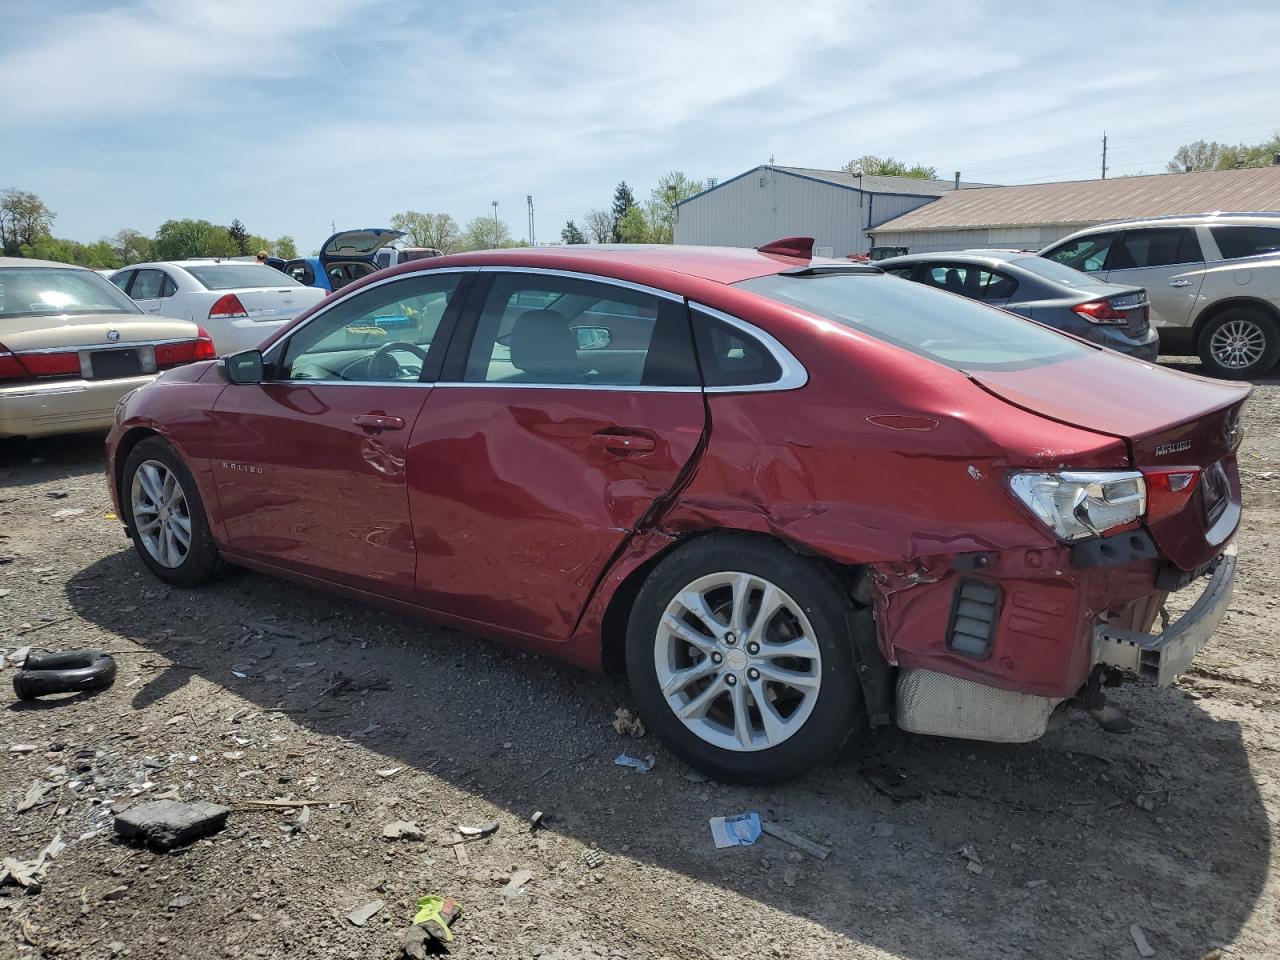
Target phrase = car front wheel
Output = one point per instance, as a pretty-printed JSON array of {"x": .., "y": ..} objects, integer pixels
[
  {"x": 1240, "y": 343},
  {"x": 166, "y": 516},
  {"x": 739, "y": 657}
]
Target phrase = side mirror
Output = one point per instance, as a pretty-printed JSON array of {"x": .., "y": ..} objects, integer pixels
[
  {"x": 593, "y": 338},
  {"x": 243, "y": 367}
]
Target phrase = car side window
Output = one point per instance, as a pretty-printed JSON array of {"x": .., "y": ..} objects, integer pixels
[
  {"x": 970, "y": 281},
  {"x": 168, "y": 288},
  {"x": 1085, "y": 253},
  {"x": 1235, "y": 241},
  {"x": 384, "y": 334},
  {"x": 903, "y": 272},
  {"x": 730, "y": 357},
  {"x": 301, "y": 271},
  {"x": 122, "y": 279},
  {"x": 147, "y": 285},
  {"x": 1161, "y": 247},
  {"x": 551, "y": 330}
]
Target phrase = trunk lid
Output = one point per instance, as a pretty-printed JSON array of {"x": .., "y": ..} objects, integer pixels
[
  {"x": 357, "y": 244},
  {"x": 90, "y": 330},
  {"x": 275, "y": 304},
  {"x": 1168, "y": 419}
]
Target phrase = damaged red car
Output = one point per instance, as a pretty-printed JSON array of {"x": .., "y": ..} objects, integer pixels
[{"x": 787, "y": 497}]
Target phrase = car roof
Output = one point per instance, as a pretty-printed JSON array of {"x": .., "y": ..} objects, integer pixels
[
  {"x": 1259, "y": 218},
  {"x": 717, "y": 264},
  {"x": 958, "y": 256},
  {"x": 51, "y": 264}
]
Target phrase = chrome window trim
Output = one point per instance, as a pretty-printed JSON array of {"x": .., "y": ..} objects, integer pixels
[
  {"x": 602, "y": 387},
  {"x": 794, "y": 375},
  {"x": 588, "y": 277}
]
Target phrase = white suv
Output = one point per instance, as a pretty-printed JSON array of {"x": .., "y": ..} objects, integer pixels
[{"x": 1213, "y": 280}]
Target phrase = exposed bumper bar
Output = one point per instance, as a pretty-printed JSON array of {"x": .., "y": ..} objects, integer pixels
[{"x": 1162, "y": 657}]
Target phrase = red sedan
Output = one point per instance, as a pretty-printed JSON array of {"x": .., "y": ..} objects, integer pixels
[{"x": 787, "y": 496}]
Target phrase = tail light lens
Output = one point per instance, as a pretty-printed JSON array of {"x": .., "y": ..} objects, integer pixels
[
  {"x": 11, "y": 367},
  {"x": 186, "y": 351},
  {"x": 227, "y": 307},
  {"x": 1169, "y": 489},
  {"x": 1100, "y": 311},
  {"x": 1076, "y": 504},
  {"x": 51, "y": 364}
]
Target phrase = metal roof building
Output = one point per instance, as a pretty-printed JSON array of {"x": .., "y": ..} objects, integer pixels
[
  {"x": 1033, "y": 216},
  {"x": 768, "y": 202}
]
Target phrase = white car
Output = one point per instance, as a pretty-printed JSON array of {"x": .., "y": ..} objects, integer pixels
[{"x": 240, "y": 304}]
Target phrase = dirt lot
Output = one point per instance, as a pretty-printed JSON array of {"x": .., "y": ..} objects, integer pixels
[{"x": 256, "y": 689}]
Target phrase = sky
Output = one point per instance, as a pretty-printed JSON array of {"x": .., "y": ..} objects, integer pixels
[{"x": 293, "y": 115}]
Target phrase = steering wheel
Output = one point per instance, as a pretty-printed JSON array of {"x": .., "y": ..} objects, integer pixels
[{"x": 382, "y": 361}]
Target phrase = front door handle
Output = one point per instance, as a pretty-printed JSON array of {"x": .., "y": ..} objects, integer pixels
[
  {"x": 378, "y": 421},
  {"x": 1180, "y": 283},
  {"x": 623, "y": 443}
]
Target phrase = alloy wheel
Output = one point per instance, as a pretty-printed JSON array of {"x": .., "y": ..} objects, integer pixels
[
  {"x": 737, "y": 661},
  {"x": 1238, "y": 344},
  {"x": 160, "y": 513}
]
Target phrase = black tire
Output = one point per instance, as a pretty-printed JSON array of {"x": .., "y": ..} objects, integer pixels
[
  {"x": 1249, "y": 322},
  {"x": 202, "y": 561},
  {"x": 838, "y": 706}
]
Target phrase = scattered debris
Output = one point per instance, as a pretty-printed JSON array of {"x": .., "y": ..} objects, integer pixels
[
  {"x": 593, "y": 859},
  {"x": 165, "y": 824},
  {"x": 29, "y": 874},
  {"x": 1140, "y": 941},
  {"x": 627, "y": 724},
  {"x": 1143, "y": 802},
  {"x": 973, "y": 861},
  {"x": 537, "y": 821},
  {"x": 66, "y": 513},
  {"x": 361, "y": 915},
  {"x": 515, "y": 884},
  {"x": 1032, "y": 884},
  {"x": 401, "y": 830},
  {"x": 693, "y": 776},
  {"x": 892, "y": 783},
  {"x": 431, "y": 927},
  {"x": 740, "y": 831},
  {"x": 116, "y": 893},
  {"x": 36, "y": 794},
  {"x": 483, "y": 830},
  {"x": 23, "y": 748},
  {"x": 811, "y": 847},
  {"x": 177, "y": 903},
  {"x": 57, "y": 494},
  {"x": 388, "y": 772},
  {"x": 635, "y": 763}
]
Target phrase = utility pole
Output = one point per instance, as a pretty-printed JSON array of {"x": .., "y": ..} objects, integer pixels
[
  {"x": 532, "y": 241},
  {"x": 1104, "y": 154},
  {"x": 495, "y": 223}
]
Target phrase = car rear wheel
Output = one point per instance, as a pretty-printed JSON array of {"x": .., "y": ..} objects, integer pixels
[
  {"x": 1240, "y": 343},
  {"x": 739, "y": 657},
  {"x": 166, "y": 516}
]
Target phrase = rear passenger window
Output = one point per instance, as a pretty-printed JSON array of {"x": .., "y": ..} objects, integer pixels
[
  {"x": 970, "y": 281},
  {"x": 1085, "y": 253},
  {"x": 538, "y": 329},
  {"x": 147, "y": 285},
  {"x": 168, "y": 288},
  {"x": 730, "y": 357},
  {"x": 1241, "y": 241},
  {"x": 1155, "y": 248},
  {"x": 301, "y": 271}
]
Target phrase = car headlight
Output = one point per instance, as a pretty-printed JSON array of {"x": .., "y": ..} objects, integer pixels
[{"x": 1076, "y": 504}]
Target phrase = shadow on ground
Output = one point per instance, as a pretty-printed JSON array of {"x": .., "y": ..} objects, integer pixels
[{"x": 1164, "y": 828}]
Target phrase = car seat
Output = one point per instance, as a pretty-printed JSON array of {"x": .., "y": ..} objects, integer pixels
[{"x": 544, "y": 349}]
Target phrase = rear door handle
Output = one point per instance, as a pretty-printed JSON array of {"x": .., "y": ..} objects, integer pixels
[
  {"x": 378, "y": 421},
  {"x": 1180, "y": 283},
  {"x": 623, "y": 443}
]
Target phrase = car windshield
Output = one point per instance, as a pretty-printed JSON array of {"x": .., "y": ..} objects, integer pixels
[
  {"x": 959, "y": 333},
  {"x": 237, "y": 276},
  {"x": 50, "y": 291},
  {"x": 1057, "y": 272}
]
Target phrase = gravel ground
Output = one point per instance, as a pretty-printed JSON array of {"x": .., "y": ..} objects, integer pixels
[{"x": 255, "y": 689}]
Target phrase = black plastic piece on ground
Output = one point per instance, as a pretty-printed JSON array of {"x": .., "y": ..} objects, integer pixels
[{"x": 70, "y": 671}]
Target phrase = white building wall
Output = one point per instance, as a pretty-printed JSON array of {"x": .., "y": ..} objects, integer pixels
[
  {"x": 934, "y": 241},
  {"x": 766, "y": 205}
]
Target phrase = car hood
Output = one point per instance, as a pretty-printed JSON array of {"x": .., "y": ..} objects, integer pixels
[
  {"x": 92, "y": 329},
  {"x": 357, "y": 244}
]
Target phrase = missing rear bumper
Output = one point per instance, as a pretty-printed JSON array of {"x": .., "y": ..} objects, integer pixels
[{"x": 1161, "y": 658}]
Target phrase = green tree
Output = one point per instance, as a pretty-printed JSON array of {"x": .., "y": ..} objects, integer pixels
[
  {"x": 661, "y": 209},
  {"x": 437, "y": 230},
  {"x": 24, "y": 218},
  {"x": 873, "y": 166},
  {"x": 98, "y": 255},
  {"x": 485, "y": 233},
  {"x": 239, "y": 236},
  {"x": 285, "y": 248},
  {"x": 131, "y": 246},
  {"x": 181, "y": 239},
  {"x": 599, "y": 226},
  {"x": 571, "y": 233},
  {"x": 633, "y": 228},
  {"x": 623, "y": 201},
  {"x": 1191, "y": 157}
]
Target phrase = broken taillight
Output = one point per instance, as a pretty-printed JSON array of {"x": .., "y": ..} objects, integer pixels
[{"x": 1169, "y": 489}]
